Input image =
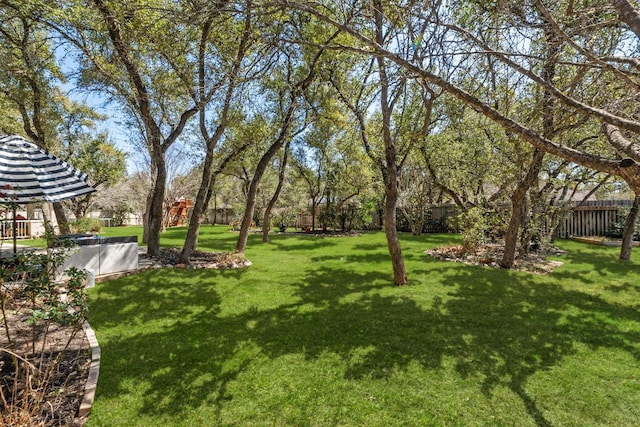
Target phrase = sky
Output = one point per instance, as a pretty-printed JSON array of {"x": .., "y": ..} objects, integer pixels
[{"x": 118, "y": 134}]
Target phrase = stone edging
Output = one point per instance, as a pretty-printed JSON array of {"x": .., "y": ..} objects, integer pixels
[
  {"x": 601, "y": 242},
  {"x": 94, "y": 370}
]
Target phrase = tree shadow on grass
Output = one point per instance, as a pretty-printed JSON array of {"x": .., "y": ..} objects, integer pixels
[
  {"x": 508, "y": 327},
  {"x": 591, "y": 265},
  {"x": 497, "y": 326},
  {"x": 313, "y": 243}
]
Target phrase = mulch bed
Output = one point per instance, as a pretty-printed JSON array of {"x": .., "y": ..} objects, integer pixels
[
  {"x": 170, "y": 257},
  {"x": 489, "y": 255}
]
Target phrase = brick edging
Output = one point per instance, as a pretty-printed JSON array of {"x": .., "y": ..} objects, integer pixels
[{"x": 94, "y": 370}]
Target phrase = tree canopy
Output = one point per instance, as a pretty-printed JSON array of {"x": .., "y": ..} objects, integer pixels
[{"x": 341, "y": 103}]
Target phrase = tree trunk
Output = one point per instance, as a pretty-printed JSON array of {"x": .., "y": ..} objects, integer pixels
[
  {"x": 156, "y": 143},
  {"x": 313, "y": 213},
  {"x": 46, "y": 219},
  {"x": 61, "y": 218},
  {"x": 252, "y": 195},
  {"x": 204, "y": 192},
  {"x": 156, "y": 206},
  {"x": 391, "y": 182},
  {"x": 628, "y": 14},
  {"x": 390, "y": 230},
  {"x": 518, "y": 214},
  {"x": 266, "y": 224},
  {"x": 266, "y": 221},
  {"x": 629, "y": 228},
  {"x": 191, "y": 240},
  {"x": 518, "y": 200},
  {"x": 260, "y": 169},
  {"x": 145, "y": 217},
  {"x": 511, "y": 235}
]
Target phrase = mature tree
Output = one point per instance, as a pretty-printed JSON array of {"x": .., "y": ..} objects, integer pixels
[
  {"x": 297, "y": 70},
  {"x": 390, "y": 136},
  {"x": 140, "y": 55},
  {"x": 287, "y": 118},
  {"x": 224, "y": 64}
]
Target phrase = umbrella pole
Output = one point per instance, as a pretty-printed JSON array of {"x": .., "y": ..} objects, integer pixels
[{"x": 15, "y": 229}]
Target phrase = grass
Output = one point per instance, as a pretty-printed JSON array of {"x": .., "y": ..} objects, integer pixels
[{"x": 314, "y": 334}]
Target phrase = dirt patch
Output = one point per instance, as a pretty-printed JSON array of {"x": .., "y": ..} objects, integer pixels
[{"x": 489, "y": 255}]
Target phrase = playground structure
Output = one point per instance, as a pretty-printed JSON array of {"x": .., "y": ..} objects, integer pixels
[{"x": 178, "y": 213}]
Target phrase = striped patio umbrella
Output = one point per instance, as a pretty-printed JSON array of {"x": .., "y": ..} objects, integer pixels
[{"x": 29, "y": 174}]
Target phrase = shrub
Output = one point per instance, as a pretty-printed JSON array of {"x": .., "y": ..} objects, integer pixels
[
  {"x": 328, "y": 216},
  {"x": 479, "y": 226},
  {"x": 84, "y": 225},
  {"x": 285, "y": 218},
  {"x": 120, "y": 215},
  {"x": 616, "y": 229}
]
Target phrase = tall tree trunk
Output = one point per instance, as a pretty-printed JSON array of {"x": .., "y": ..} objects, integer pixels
[
  {"x": 46, "y": 219},
  {"x": 296, "y": 91},
  {"x": 266, "y": 221},
  {"x": 204, "y": 191},
  {"x": 391, "y": 181},
  {"x": 313, "y": 213},
  {"x": 145, "y": 217},
  {"x": 61, "y": 218},
  {"x": 140, "y": 97},
  {"x": 191, "y": 241},
  {"x": 629, "y": 228},
  {"x": 518, "y": 215},
  {"x": 202, "y": 201}
]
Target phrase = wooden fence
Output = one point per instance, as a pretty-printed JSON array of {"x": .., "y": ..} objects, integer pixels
[
  {"x": 23, "y": 229},
  {"x": 587, "y": 221},
  {"x": 592, "y": 218}
]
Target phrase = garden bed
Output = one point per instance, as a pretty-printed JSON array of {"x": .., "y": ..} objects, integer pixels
[{"x": 56, "y": 400}]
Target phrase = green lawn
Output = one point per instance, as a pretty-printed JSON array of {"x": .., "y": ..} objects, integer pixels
[{"x": 314, "y": 334}]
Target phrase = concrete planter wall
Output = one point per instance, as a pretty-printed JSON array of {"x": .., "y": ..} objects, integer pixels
[{"x": 104, "y": 255}]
